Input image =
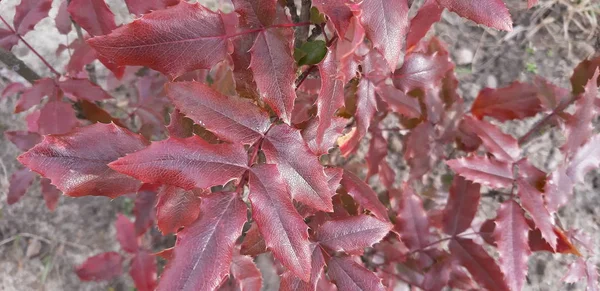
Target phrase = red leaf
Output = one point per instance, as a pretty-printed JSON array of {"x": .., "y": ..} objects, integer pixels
[
  {"x": 534, "y": 176},
  {"x": 331, "y": 96},
  {"x": 429, "y": 13},
  {"x": 230, "y": 118},
  {"x": 180, "y": 126},
  {"x": 549, "y": 94},
  {"x": 63, "y": 19},
  {"x": 82, "y": 54},
  {"x": 346, "y": 47},
  {"x": 28, "y": 13},
  {"x": 330, "y": 135},
  {"x": 179, "y": 162},
  {"x": 76, "y": 162},
  {"x": 144, "y": 210},
  {"x": 349, "y": 275},
  {"x": 378, "y": 150},
  {"x": 478, "y": 262},
  {"x": 12, "y": 89},
  {"x": 352, "y": 234},
  {"x": 585, "y": 159},
  {"x": 492, "y": 13},
  {"x": 463, "y": 201},
  {"x": 92, "y": 15},
  {"x": 317, "y": 275},
  {"x": 417, "y": 151},
  {"x": 126, "y": 234},
  {"x": 511, "y": 236},
  {"x": 274, "y": 70},
  {"x": 338, "y": 12},
  {"x": 503, "y": 146},
  {"x": 83, "y": 89},
  {"x": 438, "y": 275},
  {"x": 24, "y": 140},
  {"x": 50, "y": 194},
  {"x": 579, "y": 125},
  {"x": 20, "y": 181},
  {"x": 483, "y": 170},
  {"x": 169, "y": 47},
  {"x": 558, "y": 188},
  {"x": 245, "y": 273},
  {"x": 57, "y": 117},
  {"x": 204, "y": 250},
  {"x": 34, "y": 94},
  {"x": 364, "y": 195},
  {"x": 386, "y": 25},
  {"x": 517, "y": 101},
  {"x": 412, "y": 222},
  {"x": 7, "y": 39},
  {"x": 100, "y": 267},
  {"x": 143, "y": 271},
  {"x": 365, "y": 110},
  {"x": 421, "y": 71},
  {"x": 254, "y": 243},
  {"x": 139, "y": 7},
  {"x": 283, "y": 229},
  {"x": 300, "y": 168},
  {"x": 177, "y": 208},
  {"x": 533, "y": 202},
  {"x": 399, "y": 102}
]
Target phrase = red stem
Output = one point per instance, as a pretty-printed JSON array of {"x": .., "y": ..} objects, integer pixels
[
  {"x": 30, "y": 48},
  {"x": 284, "y": 25},
  {"x": 543, "y": 122}
]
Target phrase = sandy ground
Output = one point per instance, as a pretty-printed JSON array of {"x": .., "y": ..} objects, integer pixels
[{"x": 39, "y": 248}]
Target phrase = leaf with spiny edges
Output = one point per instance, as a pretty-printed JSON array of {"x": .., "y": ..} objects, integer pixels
[
  {"x": 585, "y": 159},
  {"x": 100, "y": 267},
  {"x": 483, "y": 170},
  {"x": 92, "y": 15},
  {"x": 349, "y": 275},
  {"x": 517, "y": 101},
  {"x": 363, "y": 194},
  {"x": 177, "y": 208},
  {"x": 491, "y": 13},
  {"x": 352, "y": 234},
  {"x": 479, "y": 263},
  {"x": 412, "y": 222},
  {"x": 429, "y": 13},
  {"x": 28, "y": 13},
  {"x": 503, "y": 146},
  {"x": 461, "y": 207},
  {"x": 533, "y": 201},
  {"x": 579, "y": 126}
]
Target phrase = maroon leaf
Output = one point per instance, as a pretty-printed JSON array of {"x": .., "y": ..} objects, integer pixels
[
  {"x": 8, "y": 39},
  {"x": 19, "y": 183},
  {"x": 177, "y": 208},
  {"x": 92, "y": 15},
  {"x": 50, "y": 194},
  {"x": 349, "y": 275},
  {"x": 417, "y": 152},
  {"x": 24, "y": 140},
  {"x": 34, "y": 94},
  {"x": 511, "y": 236},
  {"x": 274, "y": 70},
  {"x": 28, "y": 13},
  {"x": 83, "y": 89},
  {"x": 386, "y": 25},
  {"x": 378, "y": 150},
  {"x": 57, "y": 118},
  {"x": 247, "y": 276},
  {"x": 533, "y": 202},
  {"x": 100, "y": 267},
  {"x": 399, "y": 102},
  {"x": 365, "y": 110},
  {"x": 549, "y": 94},
  {"x": 421, "y": 71},
  {"x": 164, "y": 45},
  {"x": 180, "y": 125},
  {"x": 76, "y": 162},
  {"x": 352, "y": 234},
  {"x": 186, "y": 163},
  {"x": 139, "y": 7},
  {"x": 517, "y": 101},
  {"x": 585, "y": 159},
  {"x": 338, "y": 12},
  {"x": 412, "y": 222},
  {"x": 230, "y": 118},
  {"x": 483, "y": 170},
  {"x": 253, "y": 243},
  {"x": 126, "y": 234},
  {"x": 283, "y": 229},
  {"x": 478, "y": 262},
  {"x": 144, "y": 211},
  {"x": 330, "y": 135},
  {"x": 578, "y": 126},
  {"x": 463, "y": 201},
  {"x": 492, "y": 13},
  {"x": 364, "y": 195},
  {"x": 143, "y": 271},
  {"x": 63, "y": 19},
  {"x": 204, "y": 250},
  {"x": 331, "y": 96},
  {"x": 503, "y": 146},
  {"x": 299, "y": 167},
  {"x": 429, "y": 13},
  {"x": 82, "y": 54},
  {"x": 534, "y": 176}
]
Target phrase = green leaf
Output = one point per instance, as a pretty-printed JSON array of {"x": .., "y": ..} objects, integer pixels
[
  {"x": 316, "y": 17},
  {"x": 310, "y": 53}
]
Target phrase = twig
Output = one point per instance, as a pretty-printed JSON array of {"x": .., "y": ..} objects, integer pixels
[
  {"x": 293, "y": 11},
  {"x": 14, "y": 63},
  {"x": 534, "y": 130},
  {"x": 302, "y": 31}
]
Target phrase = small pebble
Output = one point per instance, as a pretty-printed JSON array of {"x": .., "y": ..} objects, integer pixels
[
  {"x": 464, "y": 57},
  {"x": 491, "y": 81}
]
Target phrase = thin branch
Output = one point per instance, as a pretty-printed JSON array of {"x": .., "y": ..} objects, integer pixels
[
  {"x": 536, "y": 128},
  {"x": 15, "y": 64},
  {"x": 302, "y": 31},
  {"x": 293, "y": 10}
]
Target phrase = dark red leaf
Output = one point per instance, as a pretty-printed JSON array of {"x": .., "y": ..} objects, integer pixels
[
  {"x": 50, "y": 194},
  {"x": 338, "y": 12},
  {"x": 578, "y": 126},
  {"x": 346, "y": 47},
  {"x": 100, "y": 267},
  {"x": 534, "y": 176},
  {"x": 150, "y": 41},
  {"x": 538, "y": 243},
  {"x": 230, "y": 118},
  {"x": 81, "y": 55},
  {"x": 24, "y": 140},
  {"x": 365, "y": 110},
  {"x": 417, "y": 151},
  {"x": 317, "y": 275},
  {"x": 412, "y": 222},
  {"x": 139, "y": 7},
  {"x": 364, "y": 195},
  {"x": 177, "y": 208},
  {"x": 283, "y": 229},
  {"x": 399, "y": 102},
  {"x": 180, "y": 126},
  {"x": 583, "y": 73},
  {"x": 421, "y": 71},
  {"x": 245, "y": 273},
  {"x": 20, "y": 181},
  {"x": 144, "y": 210},
  {"x": 186, "y": 163},
  {"x": 478, "y": 262},
  {"x": 503, "y": 146},
  {"x": 57, "y": 117},
  {"x": 204, "y": 250},
  {"x": 517, "y": 101},
  {"x": 349, "y": 275},
  {"x": 63, "y": 19},
  {"x": 143, "y": 271},
  {"x": 511, "y": 237},
  {"x": 76, "y": 162},
  {"x": 532, "y": 201},
  {"x": 92, "y": 15},
  {"x": 549, "y": 94},
  {"x": 330, "y": 135},
  {"x": 386, "y": 25},
  {"x": 254, "y": 243},
  {"x": 463, "y": 201},
  {"x": 378, "y": 150},
  {"x": 126, "y": 234},
  {"x": 7, "y": 39},
  {"x": 331, "y": 96},
  {"x": 83, "y": 89},
  {"x": 492, "y": 13},
  {"x": 438, "y": 275},
  {"x": 429, "y": 13},
  {"x": 352, "y": 234},
  {"x": 28, "y": 13},
  {"x": 483, "y": 170},
  {"x": 299, "y": 167},
  {"x": 34, "y": 94}
]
